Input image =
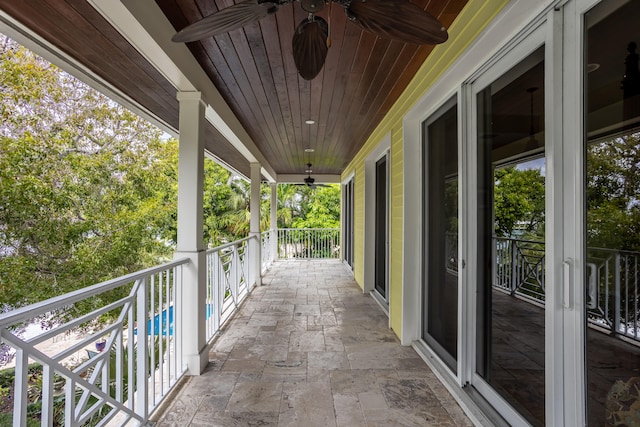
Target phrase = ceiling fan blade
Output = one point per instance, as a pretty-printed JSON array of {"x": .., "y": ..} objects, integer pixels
[
  {"x": 310, "y": 46},
  {"x": 224, "y": 20},
  {"x": 398, "y": 20}
]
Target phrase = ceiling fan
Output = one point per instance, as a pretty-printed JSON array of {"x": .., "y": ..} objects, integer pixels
[
  {"x": 398, "y": 20},
  {"x": 310, "y": 182}
]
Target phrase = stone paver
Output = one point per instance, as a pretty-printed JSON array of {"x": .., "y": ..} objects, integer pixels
[{"x": 308, "y": 348}]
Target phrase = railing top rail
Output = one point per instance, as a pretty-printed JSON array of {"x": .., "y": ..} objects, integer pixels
[
  {"x": 33, "y": 310},
  {"x": 513, "y": 239},
  {"x": 617, "y": 251},
  {"x": 228, "y": 245},
  {"x": 309, "y": 229}
]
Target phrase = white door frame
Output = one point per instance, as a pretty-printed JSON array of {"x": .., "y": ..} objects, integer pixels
[
  {"x": 570, "y": 169},
  {"x": 383, "y": 149},
  {"x": 535, "y": 35},
  {"x": 343, "y": 208}
]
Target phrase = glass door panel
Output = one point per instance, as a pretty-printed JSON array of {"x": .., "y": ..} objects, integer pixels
[
  {"x": 347, "y": 223},
  {"x": 382, "y": 221},
  {"x": 440, "y": 238},
  {"x": 612, "y": 183},
  {"x": 510, "y": 323}
]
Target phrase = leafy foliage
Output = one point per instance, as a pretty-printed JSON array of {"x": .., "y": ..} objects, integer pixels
[
  {"x": 319, "y": 207},
  {"x": 613, "y": 190},
  {"x": 87, "y": 189},
  {"x": 519, "y": 201}
]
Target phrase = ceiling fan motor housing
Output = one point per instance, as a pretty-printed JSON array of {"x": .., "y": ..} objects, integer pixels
[{"x": 312, "y": 6}]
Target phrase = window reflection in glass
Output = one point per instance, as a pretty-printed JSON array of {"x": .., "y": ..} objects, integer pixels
[
  {"x": 511, "y": 261},
  {"x": 612, "y": 182},
  {"x": 440, "y": 239}
]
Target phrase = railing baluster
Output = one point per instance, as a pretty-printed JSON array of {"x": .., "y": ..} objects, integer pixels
[
  {"x": 165, "y": 331},
  {"x": 154, "y": 334},
  {"x": 617, "y": 307},
  {"x": 635, "y": 307},
  {"x": 47, "y": 395},
  {"x": 130, "y": 358},
  {"x": 118, "y": 374},
  {"x": 514, "y": 265},
  {"x": 142, "y": 355},
  {"x": 627, "y": 294},
  {"x": 176, "y": 298},
  {"x": 607, "y": 286},
  {"x": 69, "y": 402},
  {"x": 20, "y": 390}
]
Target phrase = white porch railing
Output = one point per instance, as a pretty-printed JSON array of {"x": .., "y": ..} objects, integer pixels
[
  {"x": 107, "y": 374},
  {"x": 310, "y": 243},
  {"x": 138, "y": 329},
  {"x": 268, "y": 256},
  {"x": 520, "y": 267},
  {"x": 613, "y": 280},
  {"x": 228, "y": 277}
]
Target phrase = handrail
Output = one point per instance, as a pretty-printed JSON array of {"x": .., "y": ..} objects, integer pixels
[
  {"x": 618, "y": 251},
  {"x": 230, "y": 244},
  {"x": 518, "y": 240},
  {"x": 28, "y": 312},
  {"x": 137, "y": 335}
]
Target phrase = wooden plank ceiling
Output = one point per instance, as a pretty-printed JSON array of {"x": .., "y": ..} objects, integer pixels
[{"x": 253, "y": 69}]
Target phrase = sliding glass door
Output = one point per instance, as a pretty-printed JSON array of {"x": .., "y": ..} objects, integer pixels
[
  {"x": 347, "y": 222},
  {"x": 510, "y": 192},
  {"x": 440, "y": 234},
  {"x": 611, "y": 282},
  {"x": 381, "y": 281}
]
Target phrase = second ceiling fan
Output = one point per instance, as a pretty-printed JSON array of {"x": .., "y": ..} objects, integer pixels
[{"x": 398, "y": 20}]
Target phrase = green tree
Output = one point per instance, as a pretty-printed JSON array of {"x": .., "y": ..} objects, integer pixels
[
  {"x": 87, "y": 189},
  {"x": 288, "y": 204},
  {"x": 319, "y": 207},
  {"x": 613, "y": 193},
  {"x": 519, "y": 201}
]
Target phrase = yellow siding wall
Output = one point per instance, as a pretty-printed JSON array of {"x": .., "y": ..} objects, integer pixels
[{"x": 474, "y": 17}]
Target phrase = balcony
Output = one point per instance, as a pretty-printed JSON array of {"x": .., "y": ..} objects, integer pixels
[{"x": 308, "y": 348}]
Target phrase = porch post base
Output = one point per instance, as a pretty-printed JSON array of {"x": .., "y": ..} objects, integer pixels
[
  {"x": 197, "y": 363},
  {"x": 255, "y": 259}
]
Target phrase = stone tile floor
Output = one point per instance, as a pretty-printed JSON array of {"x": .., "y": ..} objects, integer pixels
[{"x": 308, "y": 348}]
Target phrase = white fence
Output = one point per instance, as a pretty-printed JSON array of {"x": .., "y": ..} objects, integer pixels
[
  {"x": 613, "y": 281},
  {"x": 267, "y": 239},
  {"x": 612, "y": 284},
  {"x": 228, "y": 281},
  {"x": 119, "y": 368},
  {"x": 520, "y": 267},
  {"x": 309, "y": 243}
]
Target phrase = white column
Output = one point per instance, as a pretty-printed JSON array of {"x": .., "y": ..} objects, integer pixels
[
  {"x": 274, "y": 221},
  {"x": 190, "y": 235},
  {"x": 255, "y": 245}
]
